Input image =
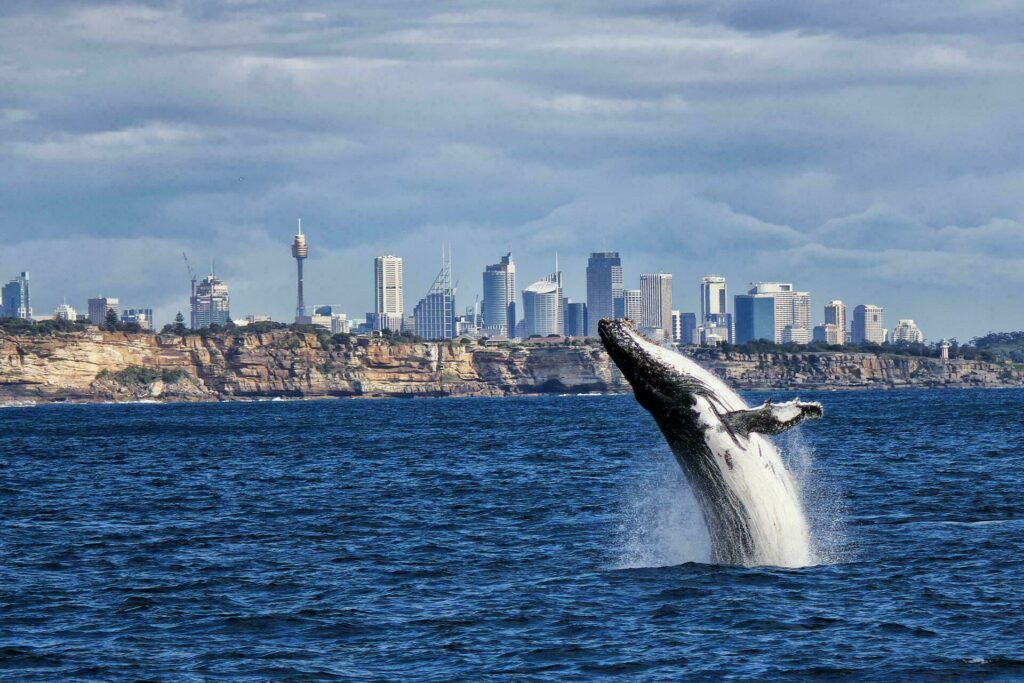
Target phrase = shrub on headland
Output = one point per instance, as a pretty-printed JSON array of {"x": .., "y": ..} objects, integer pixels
[{"x": 135, "y": 375}]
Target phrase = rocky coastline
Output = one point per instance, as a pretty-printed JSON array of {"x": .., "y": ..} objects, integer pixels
[{"x": 101, "y": 366}]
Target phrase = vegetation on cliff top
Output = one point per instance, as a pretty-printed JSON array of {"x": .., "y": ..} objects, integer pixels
[
  {"x": 993, "y": 347},
  {"x": 136, "y": 375}
]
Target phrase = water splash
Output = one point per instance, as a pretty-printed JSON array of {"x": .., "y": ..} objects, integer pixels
[
  {"x": 662, "y": 524},
  {"x": 822, "y": 499}
]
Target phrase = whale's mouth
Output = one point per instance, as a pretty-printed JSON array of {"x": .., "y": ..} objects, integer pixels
[{"x": 652, "y": 379}]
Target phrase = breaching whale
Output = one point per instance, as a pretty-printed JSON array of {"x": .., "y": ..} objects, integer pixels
[{"x": 749, "y": 500}]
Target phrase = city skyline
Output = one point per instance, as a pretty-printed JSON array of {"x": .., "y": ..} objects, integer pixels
[{"x": 791, "y": 316}]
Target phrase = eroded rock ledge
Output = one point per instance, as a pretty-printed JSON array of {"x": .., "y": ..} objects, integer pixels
[{"x": 115, "y": 366}]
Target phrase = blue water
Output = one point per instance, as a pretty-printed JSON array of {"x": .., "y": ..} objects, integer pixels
[{"x": 447, "y": 539}]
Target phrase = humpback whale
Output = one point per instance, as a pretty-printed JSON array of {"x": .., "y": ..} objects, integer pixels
[{"x": 749, "y": 501}]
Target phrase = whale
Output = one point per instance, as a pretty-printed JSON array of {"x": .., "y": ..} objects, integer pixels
[{"x": 749, "y": 501}]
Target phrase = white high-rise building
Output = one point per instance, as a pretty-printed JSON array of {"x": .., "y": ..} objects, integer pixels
[
  {"x": 388, "y": 296},
  {"x": 656, "y": 300},
  {"x": 632, "y": 305},
  {"x": 907, "y": 332},
  {"x": 542, "y": 308},
  {"x": 499, "y": 305},
  {"x": 792, "y": 310},
  {"x": 677, "y": 327},
  {"x": 868, "y": 325},
  {"x": 714, "y": 298}
]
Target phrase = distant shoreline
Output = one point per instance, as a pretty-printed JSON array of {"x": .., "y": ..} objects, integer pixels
[{"x": 118, "y": 367}]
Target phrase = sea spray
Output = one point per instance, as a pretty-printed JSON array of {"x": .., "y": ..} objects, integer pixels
[
  {"x": 662, "y": 524},
  {"x": 821, "y": 497}
]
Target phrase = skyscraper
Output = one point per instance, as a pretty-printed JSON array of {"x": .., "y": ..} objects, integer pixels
[
  {"x": 99, "y": 306},
  {"x": 556, "y": 278},
  {"x": 656, "y": 295},
  {"x": 713, "y": 298},
  {"x": 868, "y": 327},
  {"x": 575, "y": 319},
  {"x": 499, "y": 305},
  {"x": 434, "y": 315},
  {"x": 299, "y": 252},
  {"x": 835, "y": 314},
  {"x": 388, "y": 297},
  {"x": 604, "y": 288},
  {"x": 211, "y": 304},
  {"x": 541, "y": 308},
  {"x": 632, "y": 305},
  {"x": 15, "y": 299}
]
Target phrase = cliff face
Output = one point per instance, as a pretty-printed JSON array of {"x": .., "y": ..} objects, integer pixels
[
  {"x": 112, "y": 366},
  {"x": 854, "y": 370},
  {"x": 118, "y": 366}
]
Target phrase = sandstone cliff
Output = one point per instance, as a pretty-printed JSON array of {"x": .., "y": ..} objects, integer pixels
[
  {"x": 816, "y": 370},
  {"x": 115, "y": 366},
  {"x": 105, "y": 366}
]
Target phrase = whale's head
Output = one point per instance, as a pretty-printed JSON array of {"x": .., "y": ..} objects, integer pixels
[{"x": 660, "y": 381}]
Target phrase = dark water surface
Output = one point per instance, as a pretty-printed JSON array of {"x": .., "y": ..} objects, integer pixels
[{"x": 478, "y": 539}]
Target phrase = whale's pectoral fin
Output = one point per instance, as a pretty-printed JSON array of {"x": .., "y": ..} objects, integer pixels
[{"x": 772, "y": 418}]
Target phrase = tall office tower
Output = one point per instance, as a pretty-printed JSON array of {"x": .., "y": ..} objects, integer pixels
[
  {"x": 677, "y": 327},
  {"x": 604, "y": 288},
  {"x": 499, "y": 305},
  {"x": 541, "y": 308},
  {"x": 15, "y": 299},
  {"x": 556, "y": 279},
  {"x": 299, "y": 252},
  {"x": 656, "y": 303},
  {"x": 98, "y": 307},
  {"x": 907, "y": 332},
  {"x": 792, "y": 314},
  {"x": 211, "y": 304},
  {"x": 688, "y": 328},
  {"x": 713, "y": 298},
  {"x": 835, "y": 314},
  {"x": 632, "y": 305},
  {"x": 143, "y": 317},
  {"x": 868, "y": 327},
  {"x": 575, "y": 319},
  {"x": 388, "y": 297},
  {"x": 435, "y": 313}
]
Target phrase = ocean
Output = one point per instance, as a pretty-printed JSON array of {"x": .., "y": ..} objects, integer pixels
[{"x": 537, "y": 538}]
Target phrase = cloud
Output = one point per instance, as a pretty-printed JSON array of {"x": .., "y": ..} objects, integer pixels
[{"x": 859, "y": 150}]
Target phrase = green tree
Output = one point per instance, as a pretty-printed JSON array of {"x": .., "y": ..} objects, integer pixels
[{"x": 110, "y": 321}]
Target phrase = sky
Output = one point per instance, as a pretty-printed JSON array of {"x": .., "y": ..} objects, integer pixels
[{"x": 869, "y": 151}]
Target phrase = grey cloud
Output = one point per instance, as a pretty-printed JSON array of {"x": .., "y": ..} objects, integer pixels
[{"x": 835, "y": 145}]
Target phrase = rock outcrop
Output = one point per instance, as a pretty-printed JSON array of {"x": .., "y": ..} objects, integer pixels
[{"x": 115, "y": 366}]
